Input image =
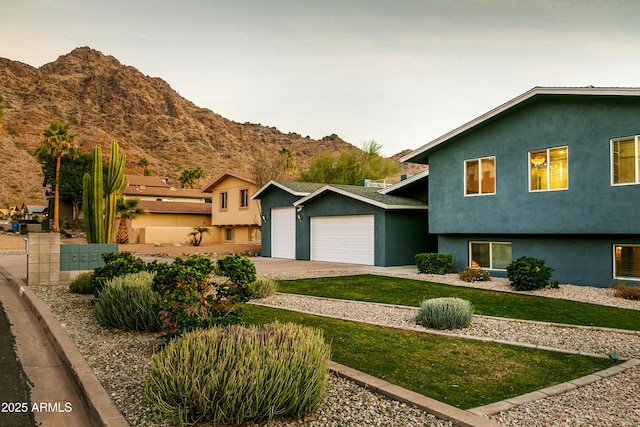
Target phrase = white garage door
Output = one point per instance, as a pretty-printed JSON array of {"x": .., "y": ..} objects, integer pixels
[
  {"x": 283, "y": 233},
  {"x": 343, "y": 239}
]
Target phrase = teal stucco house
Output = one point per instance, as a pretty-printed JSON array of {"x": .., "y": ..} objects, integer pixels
[
  {"x": 345, "y": 223},
  {"x": 553, "y": 173}
]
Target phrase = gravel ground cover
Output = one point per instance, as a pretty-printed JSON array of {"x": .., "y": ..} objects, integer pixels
[{"x": 120, "y": 358}]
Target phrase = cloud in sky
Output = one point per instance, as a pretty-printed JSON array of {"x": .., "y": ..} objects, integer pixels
[{"x": 403, "y": 72}]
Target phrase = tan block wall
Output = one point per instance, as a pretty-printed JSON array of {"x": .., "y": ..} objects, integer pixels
[
  {"x": 152, "y": 235},
  {"x": 43, "y": 259}
]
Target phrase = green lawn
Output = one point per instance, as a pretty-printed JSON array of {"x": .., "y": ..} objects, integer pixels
[
  {"x": 463, "y": 373},
  {"x": 394, "y": 290}
]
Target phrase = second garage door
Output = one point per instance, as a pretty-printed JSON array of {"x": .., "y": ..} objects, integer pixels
[{"x": 347, "y": 239}]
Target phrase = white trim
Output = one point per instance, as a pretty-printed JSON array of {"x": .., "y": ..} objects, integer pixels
[
  {"x": 464, "y": 172},
  {"x": 490, "y": 243},
  {"x": 548, "y": 168},
  {"x": 636, "y": 166},
  {"x": 407, "y": 181},
  {"x": 515, "y": 101},
  {"x": 613, "y": 259},
  {"x": 280, "y": 186},
  {"x": 355, "y": 197}
]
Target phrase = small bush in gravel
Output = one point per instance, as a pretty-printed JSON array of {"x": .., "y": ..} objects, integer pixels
[
  {"x": 631, "y": 292},
  {"x": 82, "y": 284},
  {"x": 233, "y": 374},
  {"x": 128, "y": 302},
  {"x": 528, "y": 274},
  {"x": 475, "y": 275},
  {"x": 445, "y": 313},
  {"x": 115, "y": 264},
  {"x": 433, "y": 263},
  {"x": 263, "y": 288}
]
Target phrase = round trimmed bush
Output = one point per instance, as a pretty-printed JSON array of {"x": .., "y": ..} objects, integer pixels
[
  {"x": 233, "y": 374},
  {"x": 445, "y": 313},
  {"x": 128, "y": 302},
  {"x": 528, "y": 274}
]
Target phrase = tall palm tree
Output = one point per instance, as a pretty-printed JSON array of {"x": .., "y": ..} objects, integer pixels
[
  {"x": 126, "y": 209},
  {"x": 143, "y": 163},
  {"x": 57, "y": 141},
  {"x": 188, "y": 176}
]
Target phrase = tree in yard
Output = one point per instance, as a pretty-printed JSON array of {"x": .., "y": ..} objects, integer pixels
[
  {"x": 72, "y": 169},
  {"x": 57, "y": 141},
  {"x": 126, "y": 209},
  {"x": 143, "y": 163},
  {"x": 189, "y": 176},
  {"x": 196, "y": 235},
  {"x": 266, "y": 166},
  {"x": 350, "y": 166}
]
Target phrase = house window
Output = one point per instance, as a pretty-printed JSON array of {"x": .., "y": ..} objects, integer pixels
[
  {"x": 223, "y": 200},
  {"x": 490, "y": 255},
  {"x": 480, "y": 176},
  {"x": 549, "y": 169},
  {"x": 625, "y": 161},
  {"x": 229, "y": 234},
  {"x": 244, "y": 198},
  {"x": 626, "y": 263},
  {"x": 254, "y": 235}
]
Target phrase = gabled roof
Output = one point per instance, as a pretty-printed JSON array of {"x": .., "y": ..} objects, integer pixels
[
  {"x": 209, "y": 187},
  {"x": 367, "y": 195},
  {"x": 296, "y": 188},
  {"x": 411, "y": 180},
  {"x": 536, "y": 91},
  {"x": 150, "y": 206},
  {"x": 179, "y": 193}
]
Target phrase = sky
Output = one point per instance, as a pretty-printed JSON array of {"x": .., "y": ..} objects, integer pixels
[{"x": 401, "y": 72}]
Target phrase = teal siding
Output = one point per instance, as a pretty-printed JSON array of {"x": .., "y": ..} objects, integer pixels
[{"x": 590, "y": 205}]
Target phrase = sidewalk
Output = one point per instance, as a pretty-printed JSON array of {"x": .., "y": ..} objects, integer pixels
[{"x": 64, "y": 389}]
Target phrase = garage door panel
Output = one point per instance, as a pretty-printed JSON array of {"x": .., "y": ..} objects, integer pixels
[
  {"x": 348, "y": 239},
  {"x": 283, "y": 233}
]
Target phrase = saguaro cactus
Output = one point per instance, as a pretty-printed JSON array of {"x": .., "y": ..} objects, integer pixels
[
  {"x": 100, "y": 198},
  {"x": 114, "y": 186}
]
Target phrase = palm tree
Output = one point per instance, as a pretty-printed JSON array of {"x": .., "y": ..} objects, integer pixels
[
  {"x": 289, "y": 157},
  {"x": 197, "y": 234},
  {"x": 143, "y": 163},
  {"x": 57, "y": 141},
  {"x": 126, "y": 209},
  {"x": 188, "y": 176}
]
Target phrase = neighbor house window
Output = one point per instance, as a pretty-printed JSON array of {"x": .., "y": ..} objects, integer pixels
[
  {"x": 480, "y": 176},
  {"x": 223, "y": 200},
  {"x": 229, "y": 234},
  {"x": 625, "y": 161},
  {"x": 244, "y": 198},
  {"x": 490, "y": 255},
  {"x": 626, "y": 263},
  {"x": 549, "y": 169}
]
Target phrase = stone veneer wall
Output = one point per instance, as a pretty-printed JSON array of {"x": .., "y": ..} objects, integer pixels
[{"x": 43, "y": 259}]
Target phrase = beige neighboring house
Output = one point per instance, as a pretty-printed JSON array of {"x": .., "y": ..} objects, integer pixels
[
  {"x": 234, "y": 215},
  {"x": 171, "y": 213}
]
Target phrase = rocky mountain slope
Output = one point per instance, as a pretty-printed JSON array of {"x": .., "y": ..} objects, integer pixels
[{"x": 102, "y": 100}]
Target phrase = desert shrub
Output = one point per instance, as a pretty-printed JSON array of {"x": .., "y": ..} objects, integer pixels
[
  {"x": 240, "y": 272},
  {"x": 128, "y": 302},
  {"x": 445, "y": 313},
  {"x": 434, "y": 263},
  {"x": 475, "y": 275},
  {"x": 528, "y": 274},
  {"x": 82, "y": 284},
  {"x": 115, "y": 264},
  {"x": 232, "y": 375},
  {"x": 263, "y": 288},
  {"x": 631, "y": 292},
  {"x": 189, "y": 299}
]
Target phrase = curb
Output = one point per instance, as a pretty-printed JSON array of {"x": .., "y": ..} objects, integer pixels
[
  {"x": 97, "y": 402},
  {"x": 439, "y": 409}
]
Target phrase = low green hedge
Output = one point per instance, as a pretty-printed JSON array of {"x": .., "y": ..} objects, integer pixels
[{"x": 434, "y": 263}]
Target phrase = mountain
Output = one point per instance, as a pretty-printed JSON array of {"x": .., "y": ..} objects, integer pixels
[{"x": 103, "y": 100}]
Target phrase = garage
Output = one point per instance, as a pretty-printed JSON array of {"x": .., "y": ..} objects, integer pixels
[
  {"x": 283, "y": 233},
  {"x": 349, "y": 239}
]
